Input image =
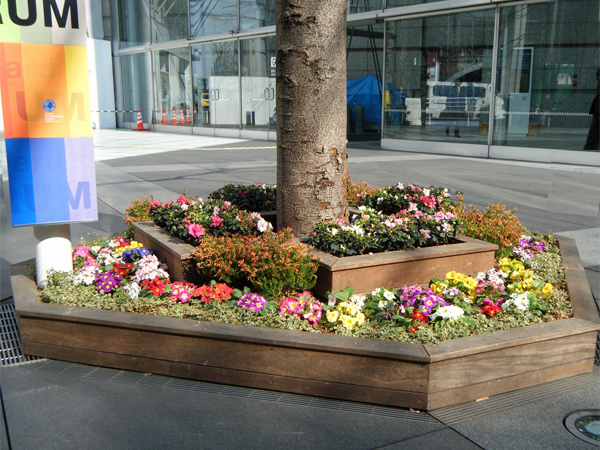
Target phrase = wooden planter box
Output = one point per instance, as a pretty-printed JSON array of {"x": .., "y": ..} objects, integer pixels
[
  {"x": 399, "y": 374},
  {"x": 364, "y": 272}
]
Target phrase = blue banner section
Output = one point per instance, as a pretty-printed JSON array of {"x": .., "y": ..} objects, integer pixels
[
  {"x": 39, "y": 190},
  {"x": 50, "y": 185},
  {"x": 20, "y": 182}
]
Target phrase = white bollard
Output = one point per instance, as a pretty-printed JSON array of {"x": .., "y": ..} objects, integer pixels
[{"x": 52, "y": 250}]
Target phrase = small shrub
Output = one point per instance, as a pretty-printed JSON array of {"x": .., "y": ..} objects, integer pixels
[
  {"x": 138, "y": 211},
  {"x": 271, "y": 264},
  {"x": 495, "y": 224},
  {"x": 255, "y": 197},
  {"x": 356, "y": 191}
]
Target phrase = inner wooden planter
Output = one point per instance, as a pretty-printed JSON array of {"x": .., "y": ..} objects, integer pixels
[
  {"x": 390, "y": 373},
  {"x": 363, "y": 272}
]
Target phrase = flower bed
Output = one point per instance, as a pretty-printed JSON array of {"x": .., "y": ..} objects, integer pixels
[{"x": 377, "y": 371}]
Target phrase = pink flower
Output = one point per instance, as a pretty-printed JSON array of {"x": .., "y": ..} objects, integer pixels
[
  {"x": 184, "y": 200},
  {"x": 195, "y": 230},
  {"x": 340, "y": 222},
  {"x": 155, "y": 204},
  {"x": 425, "y": 234},
  {"x": 216, "y": 221}
]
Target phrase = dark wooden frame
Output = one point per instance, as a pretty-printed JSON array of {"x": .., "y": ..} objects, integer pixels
[{"x": 390, "y": 373}]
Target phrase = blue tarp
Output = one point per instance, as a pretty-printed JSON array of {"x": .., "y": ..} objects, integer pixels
[{"x": 367, "y": 92}]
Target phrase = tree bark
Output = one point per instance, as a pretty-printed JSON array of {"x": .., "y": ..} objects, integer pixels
[{"x": 311, "y": 113}]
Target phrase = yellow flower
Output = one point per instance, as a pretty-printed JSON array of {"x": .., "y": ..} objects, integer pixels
[
  {"x": 470, "y": 283},
  {"x": 438, "y": 287},
  {"x": 547, "y": 290},
  {"x": 332, "y": 316},
  {"x": 348, "y": 322}
]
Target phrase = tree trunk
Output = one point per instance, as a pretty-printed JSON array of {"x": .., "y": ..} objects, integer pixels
[{"x": 311, "y": 113}]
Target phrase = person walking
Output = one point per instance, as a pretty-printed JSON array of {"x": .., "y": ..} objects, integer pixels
[{"x": 593, "y": 138}]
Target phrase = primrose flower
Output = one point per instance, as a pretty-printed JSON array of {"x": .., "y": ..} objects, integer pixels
[
  {"x": 108, "y": 282},
  {"x": 450, "y": 312},
  {"x": 251, "y": 302},
  {"x": 520, "y": 301}
]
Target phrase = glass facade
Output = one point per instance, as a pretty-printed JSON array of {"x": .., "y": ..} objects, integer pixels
[
  {"x": 169, "y": 20},
  {"x": 517, "y": 76},
  {"x": 136, "y": 72},
  {"x": 134, "y": 23},
  {"x": 173, "y": 87},
  {"x": 438, "y": 77}
]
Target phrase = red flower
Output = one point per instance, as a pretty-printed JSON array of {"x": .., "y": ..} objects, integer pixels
[{"x": 156, "y": 286}]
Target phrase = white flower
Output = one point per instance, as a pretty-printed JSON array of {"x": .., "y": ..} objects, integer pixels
[
  {"x": 331, "y": 300},
  {"x": 521, "y": 302},
  {"x": 362, "y": 208},
  {"x": 263, "y": 225},
  {"x": 452, "y": 292},
  {"x": 133, "y": 290},
  {"x": 334, "y": 231},
  {"x": 383, "y": 304},
  {"x": 358, "y": 300},
  {"x": 450, "y": 312},
  {"x": 426, "y": 192},
  {"x": 375, "y": 291},
  {"x": 184, "y": 207},
  {"x": 389, "y": 295}
]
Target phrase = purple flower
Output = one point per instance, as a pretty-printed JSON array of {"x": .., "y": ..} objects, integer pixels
[
  {"x": 108, "y": 282},
  {"x": 251, "y": 302}
]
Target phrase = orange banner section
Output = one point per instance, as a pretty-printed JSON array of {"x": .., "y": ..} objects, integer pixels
[{"x": 44, "y": 91}]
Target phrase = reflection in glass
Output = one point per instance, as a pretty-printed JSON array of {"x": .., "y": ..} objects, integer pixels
[
  {"x": 137, "y": 86},
  {"x": 438, "y": 78},
  {"x": 213, "y": 17},
  {"x": 364, "y": 61},
  {"x": 169, "y": 20},
  {"x": 216, "y": 85},
  {"x": 547, "y": 60},
  {"x": 258, "y": 83},
  {"x": 173, "y": 87},
  {"x": 358, "y": 6},
  {"x": 134, "y": 23},
  {"x": 256, "y": 13}
]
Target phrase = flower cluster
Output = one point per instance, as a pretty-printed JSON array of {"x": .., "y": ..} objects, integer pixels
[
  {"x": 190, "y": 219},
  {"x": 394, "y": 218},
  {"x": 255, "y": 197},
  {"x": 251, "y": 302},
  {"x": 303, "y": 305},
  {"x": 123, "y": 264},
  {"x": 347, "y": 314},
  {"x": 527, "y": 247}
]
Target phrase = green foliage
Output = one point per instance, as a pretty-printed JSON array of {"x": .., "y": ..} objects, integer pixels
[
  {"x": 271, "y": 265},
  {"x": 254, "y": 197}
]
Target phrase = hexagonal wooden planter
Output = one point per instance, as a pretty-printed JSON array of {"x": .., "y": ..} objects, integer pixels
[
  {"x": 390, "y": 373},
  {"x": 363, "y": 272}
]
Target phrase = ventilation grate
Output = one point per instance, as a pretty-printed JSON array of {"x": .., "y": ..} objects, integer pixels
[
  {"x": 10, "y": 343},
  {"x": 457, "y": 414}
]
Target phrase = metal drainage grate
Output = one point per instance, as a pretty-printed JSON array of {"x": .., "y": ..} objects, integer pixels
[
  {"x": 164, "y": 382},
  {"x": 10, "y": 341},
  {"x": 454, "y": 415},
  {"x": 597, "y": 356}
]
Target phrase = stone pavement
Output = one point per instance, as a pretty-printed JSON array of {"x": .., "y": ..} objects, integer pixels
[{"x": 52, "y": 404}]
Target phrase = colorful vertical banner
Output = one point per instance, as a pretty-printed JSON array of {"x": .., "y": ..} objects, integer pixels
[{"x": 44, "y": 89}]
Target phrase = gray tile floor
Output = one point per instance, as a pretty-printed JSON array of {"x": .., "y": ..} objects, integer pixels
[{"x": 48, "y": 404}]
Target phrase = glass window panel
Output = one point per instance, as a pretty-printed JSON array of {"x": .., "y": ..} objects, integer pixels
[
  {"x": 364, "y": 61},
  {"x": 136, "y": 73},
  {"x": 396, "y": 3},
  {"x": 358, "y": 6},
  {"x": 169, "y": 20},
  {"x": 134, "y": 23},
  {"x": 216, "y": 85},
  {"x": 213, "y": 17},
  {"x": 256, "y": 13},
  {"x": 548, "y": 56},
  {"x": 173, "y": 87},
  {"x": 258, "y": 83},
  {"x": 438, "y": 78}
]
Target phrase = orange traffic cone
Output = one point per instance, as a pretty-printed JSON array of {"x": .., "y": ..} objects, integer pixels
[
  {"x": 181, "y": 116},
  {"x": 188, "y": 119},
  {"x": 140, "y": 124},
  {"x": 195, "y": 113},
  {"x": 164, "y": 117},
  {"x": 173, "y": 117}
]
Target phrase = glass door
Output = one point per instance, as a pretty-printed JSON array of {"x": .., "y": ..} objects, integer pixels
[
  {"x": 216, "y": 85},
  {"x": 258, "y": 84}
]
